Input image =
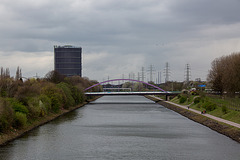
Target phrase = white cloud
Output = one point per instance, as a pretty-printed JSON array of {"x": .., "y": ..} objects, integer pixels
[{"x": 30, "y": 63}]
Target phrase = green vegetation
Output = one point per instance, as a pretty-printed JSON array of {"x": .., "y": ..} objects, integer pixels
[
  {"x": 183, "y": 99},
  {"x": 23, "y": 102},
  {"x": 223, "y": 107}
]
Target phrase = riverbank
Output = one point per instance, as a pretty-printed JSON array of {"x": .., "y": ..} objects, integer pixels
[
  {"x": 230, "y": 131},
  {"x": 14, "y": 133}
]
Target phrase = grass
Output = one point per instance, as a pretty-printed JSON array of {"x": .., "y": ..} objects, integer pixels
[{"x": 231, "y": 115}]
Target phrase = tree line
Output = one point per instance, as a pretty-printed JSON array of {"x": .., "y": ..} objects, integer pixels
[
  {"x": 224, "y": 75},
  {"x": 25, "y": 101}
]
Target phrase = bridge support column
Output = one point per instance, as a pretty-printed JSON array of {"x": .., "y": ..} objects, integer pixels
[{"x": 167, "y": 98}]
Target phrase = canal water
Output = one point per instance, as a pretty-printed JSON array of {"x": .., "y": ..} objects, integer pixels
[{"x": 122, "y": 127}]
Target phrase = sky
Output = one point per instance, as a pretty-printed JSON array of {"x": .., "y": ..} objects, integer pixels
[{"x": 119, "y": 37}]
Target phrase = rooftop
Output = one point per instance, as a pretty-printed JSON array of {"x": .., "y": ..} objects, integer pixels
[{"x": 66, "y": 46}]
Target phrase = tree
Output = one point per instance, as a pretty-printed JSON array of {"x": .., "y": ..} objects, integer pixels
[
  {"x": 231, "y": 77},
  {"x": 215, "y": 75},
  {"x": 54, "y": 77},
  {"x": 18, "y": 74},
  {"x": 138, "y": 87},
  {"x": 224, "y": 74}
]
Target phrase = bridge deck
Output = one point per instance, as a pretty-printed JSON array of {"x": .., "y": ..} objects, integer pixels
[{"x": 130, "y": 93}]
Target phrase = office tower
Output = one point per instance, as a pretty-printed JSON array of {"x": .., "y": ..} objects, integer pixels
[{"x": 68, "y": 60}]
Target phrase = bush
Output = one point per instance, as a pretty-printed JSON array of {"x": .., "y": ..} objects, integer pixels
[
  {"x": 55, "y": 95},
  {"x": 68, "y": 93},
  {"x": 6, "y": 115},
  {"x": 4, "y": 124},
  {"x": 224, "y": 109},
  {"x": 20, "y": 120},
  {"x": 179, "y": 96},
  {"x": 209, "y": 106},
  {"x": 26, "y": 91},
  {"x": 45, "y": 102},
  {"x": 56, "y": 102},
  {"x": 78, "y": 95},
  {"x": 35, "y": 109},
  {"x": 197, "y": 100},
  {"x": 18, "y": 106},
  {"x": 183, "y": 99}
]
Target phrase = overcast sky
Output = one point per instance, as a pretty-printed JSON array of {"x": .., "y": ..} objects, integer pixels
[{"x": 119, "y": 37}]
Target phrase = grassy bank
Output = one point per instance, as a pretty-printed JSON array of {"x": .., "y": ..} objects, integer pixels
[{"x": 225, "y": 108}]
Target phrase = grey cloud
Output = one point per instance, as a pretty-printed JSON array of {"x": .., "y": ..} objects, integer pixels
[
  {"x": 204, "y": 11},
  {"x": 157, "y": 31}
]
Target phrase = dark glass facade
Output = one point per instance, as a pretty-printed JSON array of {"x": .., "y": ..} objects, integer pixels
[{"x": 68, "y": 60}]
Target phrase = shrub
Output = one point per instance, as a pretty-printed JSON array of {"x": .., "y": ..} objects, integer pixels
[
  {"x": 68, "y": 93},
  {"x": 45, "y": 102},
  {"x": 18, "y": 106},
  {"x": 55, "y": 95},
  {"x": 6, "y": 115},
  {"x": 224, "y": 109},
  {"x": 4, "y": 124},
  {"x": 78, "y": 95},
  {"x": 209, "y": 106},
  {"x": 197, "y": 100},
  {"x": 179, "y": 96},
  {"x": 56, "y": 102},
  {"x": 20, "y": 120},
  {"x": 34, "y": 107},
  {"x": 183, "y": 99},
  {"x": 28, "y": 90}
]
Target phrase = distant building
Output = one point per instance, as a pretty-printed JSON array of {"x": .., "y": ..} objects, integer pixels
[{"x": 68, "y": 60}]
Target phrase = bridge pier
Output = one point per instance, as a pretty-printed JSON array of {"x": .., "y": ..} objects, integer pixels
[{"x": 167, "y": 98}]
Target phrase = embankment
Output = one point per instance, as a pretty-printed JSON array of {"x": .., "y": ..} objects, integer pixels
[
  {"x": 231, "y": 132},
  {"x": 14, "y": 134}
]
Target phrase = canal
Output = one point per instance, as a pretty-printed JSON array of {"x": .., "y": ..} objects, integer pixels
[{"x": 122, "y": 127}]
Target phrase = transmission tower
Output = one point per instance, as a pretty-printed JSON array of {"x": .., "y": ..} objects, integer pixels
[
  {"x": 151, "y": 72},
  {"x": 167, "y": 72},
  {"x": 142, "y": 74},
  {"x": 187, "y": 73}
]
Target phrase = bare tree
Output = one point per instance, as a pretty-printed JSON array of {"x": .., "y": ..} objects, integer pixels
[
  {"x": 224, "y": 74},
  {"x": 215, "y": 75},
  {"x": 54, "y": 76}
]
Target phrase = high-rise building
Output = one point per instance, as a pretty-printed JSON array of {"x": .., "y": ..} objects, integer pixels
[{"x": 68, "y": 60}]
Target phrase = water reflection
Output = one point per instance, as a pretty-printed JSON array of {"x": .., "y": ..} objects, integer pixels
[
  {"x": 68, "y": 117},
  {"x": 122, "y": 131}
]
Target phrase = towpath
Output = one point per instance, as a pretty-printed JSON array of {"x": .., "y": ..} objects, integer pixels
[{"x": 199, "y": 112}]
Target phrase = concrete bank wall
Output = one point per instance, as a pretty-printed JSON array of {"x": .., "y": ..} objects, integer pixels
[{"x": 231, "y": 132}]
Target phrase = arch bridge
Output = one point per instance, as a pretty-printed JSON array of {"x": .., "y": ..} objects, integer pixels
[{"x": 159, "y": 92}]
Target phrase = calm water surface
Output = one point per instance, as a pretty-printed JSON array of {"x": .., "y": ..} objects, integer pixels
[{"x": 122, "y": 127}]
